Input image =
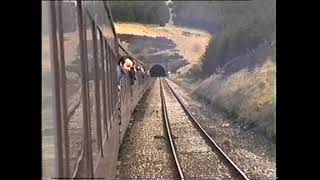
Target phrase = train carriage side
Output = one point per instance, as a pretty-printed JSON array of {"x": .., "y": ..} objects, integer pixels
[{"x": 80, "y": 119}]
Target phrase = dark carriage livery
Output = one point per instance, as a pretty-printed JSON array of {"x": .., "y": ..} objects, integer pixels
[{"x": 81, "y": 129}]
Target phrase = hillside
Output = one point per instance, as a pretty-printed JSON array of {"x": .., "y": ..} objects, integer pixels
[{"x": 190, "y": 43}]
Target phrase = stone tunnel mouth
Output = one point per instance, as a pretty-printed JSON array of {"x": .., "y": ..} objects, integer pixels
[{"x": 157, "y": 71}]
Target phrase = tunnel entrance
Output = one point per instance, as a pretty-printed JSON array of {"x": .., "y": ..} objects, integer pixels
[{"x": 157, "y": 71}]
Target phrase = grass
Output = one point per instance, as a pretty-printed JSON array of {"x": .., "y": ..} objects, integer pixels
[
  {"x": 190, "y": 46},
  {"x": 248, "y": 94}
]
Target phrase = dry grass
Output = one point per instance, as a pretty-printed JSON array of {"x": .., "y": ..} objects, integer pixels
[
  {"x": 183, "y": 77},
  {"x": 191, "y": 43},
  {"x": 249, "y": 94}
]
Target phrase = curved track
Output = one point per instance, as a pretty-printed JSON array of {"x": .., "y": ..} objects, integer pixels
[{"x": 181, "y": 130}]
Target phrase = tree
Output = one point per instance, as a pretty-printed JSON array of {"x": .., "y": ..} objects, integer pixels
[{"x": 148, "y": 12}]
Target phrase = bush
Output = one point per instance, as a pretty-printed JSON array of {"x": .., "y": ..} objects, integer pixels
[
  {"x": 197, "y": 14},
  {"x": 246, "y": 25},
  {"x": 248, "y": 94},
  {"x": 147, "y": 12}
]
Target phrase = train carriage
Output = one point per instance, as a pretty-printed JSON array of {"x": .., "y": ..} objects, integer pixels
[{"x": 81, "y": 129}]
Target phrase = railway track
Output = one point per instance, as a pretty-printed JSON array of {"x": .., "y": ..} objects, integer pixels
[{"x": 195, "y": 153}]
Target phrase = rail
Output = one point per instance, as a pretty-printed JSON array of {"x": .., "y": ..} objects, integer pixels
[
  {"x": 199, "y": 127},
  {"x": 168, "y": 128}
]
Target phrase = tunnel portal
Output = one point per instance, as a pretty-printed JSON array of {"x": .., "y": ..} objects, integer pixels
[{"x": 157, "y": 71}]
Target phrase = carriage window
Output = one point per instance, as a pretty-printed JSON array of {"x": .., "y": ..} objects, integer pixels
[
  {"x": 98, "y": 12},
  {"x": 47, "y": 119},
  {"x": 73, "y": 81},
  {"x": 92, "y": 95}
]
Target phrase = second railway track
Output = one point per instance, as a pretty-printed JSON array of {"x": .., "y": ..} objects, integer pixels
[{"x": 195, "y": 152}]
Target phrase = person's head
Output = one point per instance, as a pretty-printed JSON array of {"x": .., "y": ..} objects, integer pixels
[{"x": 126, "y": 63}]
